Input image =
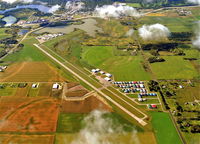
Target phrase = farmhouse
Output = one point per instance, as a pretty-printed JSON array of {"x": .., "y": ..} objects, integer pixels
[{"x": 56, "y": 86}]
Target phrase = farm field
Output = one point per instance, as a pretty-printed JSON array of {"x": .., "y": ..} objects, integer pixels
[
  {"x": 28, "y": 114},
  {"x": 73, "y": 128},
  {"x": 123, "y": 68},
  {"x": 184, "y": 24},
  {"x": 164, "y": 129},
  {"x": 31, "y": 72},
  {"x": 26, "y": 139},
  {"x": 174, "y": 68}
]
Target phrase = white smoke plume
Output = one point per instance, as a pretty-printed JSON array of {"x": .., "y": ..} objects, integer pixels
[
  {"x": 98, "y": 128},
  {"x": 194, "y": 1},
  {"x": 116, "y": 11},
  {"x": 155, "y": 32},
  {"x": 54, "y": 8},
  {"x": 13, "y": 1},
  {"x": 196, "y": 41},
  {"x": 130, "y": 33}
]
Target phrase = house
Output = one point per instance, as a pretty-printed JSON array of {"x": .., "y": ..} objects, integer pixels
[
  {"x": 34, "y": 85},
  {"x": 108, "y": 75},
  {"x": 107, "y": 79},
  {"x": 56, "y": 86}
]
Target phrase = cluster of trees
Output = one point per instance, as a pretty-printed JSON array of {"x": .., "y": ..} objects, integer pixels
[
  {"x": 155, "y": 59},
  {"x": 181, "y": 36},
  {"x": 186, "y": 126},
  {"x": 2, "y": 53},
  {"x": 160, "y": 46},
  {"x": 8, "y": 41},
  {"x": 178, "y": 51},
  {"x": 154, "y": 86}
]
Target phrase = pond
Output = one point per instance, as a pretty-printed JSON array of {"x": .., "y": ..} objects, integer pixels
[
  {"x": 41, "y": 8},
  {"x": 9, "y": 20},
  {"x": 89, "y": 26}
]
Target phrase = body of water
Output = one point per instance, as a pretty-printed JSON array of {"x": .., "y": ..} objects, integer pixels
[
  {"x": 89, "y": 26},
  {"x": 9, "y": 20},
  {"x": 41, "y": 8}
]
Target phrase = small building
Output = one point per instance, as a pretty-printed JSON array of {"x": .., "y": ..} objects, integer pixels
[
  {"x": 94, "y": 71},
  {"x": 56, "y": 86},
  {"x": 180, "y": 86},
  {"x": 107, "y": 79},
  {"x": 34, "y": 85},
  {"x": 108, "y": 75},
  {"x": 152, "y": 106},
  {"x": 102, "y": 72}
]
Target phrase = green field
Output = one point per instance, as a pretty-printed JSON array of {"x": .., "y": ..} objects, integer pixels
[
  {"x": 136, "y": 5},
  {"x": 3, "y": 35},
  {"x": 122, "y": 67},
  {"x": 28, "y": 53},
  {"x": 164, "y": 129},
  {"x": 7, "y": 91},
  {"x": 175, "y": 24},
  {"x": 174, "y": 68}
]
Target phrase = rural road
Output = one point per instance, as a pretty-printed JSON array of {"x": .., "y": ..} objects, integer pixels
[{"x": 141, "y": 121}]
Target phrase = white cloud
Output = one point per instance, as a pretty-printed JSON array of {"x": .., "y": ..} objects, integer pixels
[
  {"x": 154, "y": 32},
  {"x": 196, "y": 40},
  {"x": 54, "y": 8},
  {"x": 116, "y": 11},
  {"x": 13, "y": 1},
  {"x": 97, "y": 127},
  {"x": 194, "y": 1}
]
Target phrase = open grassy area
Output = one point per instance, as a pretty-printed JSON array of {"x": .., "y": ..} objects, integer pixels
[
  {"x": 164, "y": 129},
  {"x": 174, "y": 68},
  {"x": 3, "y": 35},
  {"x": 70, "y": 123},
  {"x": 135, "y": 5},
  {"x": 28, "y": 52},
  {"x": 175, "y": 24},
  {"x": 122, "y": 67}
]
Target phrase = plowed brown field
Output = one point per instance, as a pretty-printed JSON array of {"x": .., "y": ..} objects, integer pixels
[{"x": 28, "y": 114}]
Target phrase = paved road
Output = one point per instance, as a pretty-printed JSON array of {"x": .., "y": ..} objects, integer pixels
[{"x": 141, "y": 121}]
